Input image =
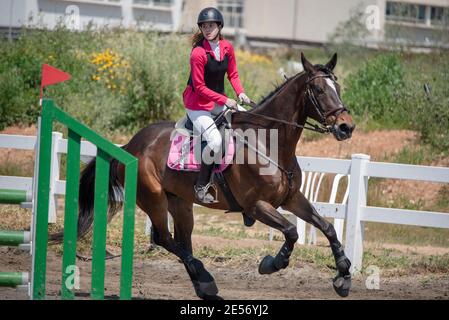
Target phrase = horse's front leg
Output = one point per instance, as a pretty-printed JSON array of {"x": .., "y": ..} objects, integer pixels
[
  {"x": 302, "y": 208},
  {"x": 267, "y": 214}
]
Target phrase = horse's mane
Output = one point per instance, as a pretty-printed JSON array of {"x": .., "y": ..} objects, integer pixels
[
  {"x": 245, "y": 117},
  {"x": 278, "y": 88}
]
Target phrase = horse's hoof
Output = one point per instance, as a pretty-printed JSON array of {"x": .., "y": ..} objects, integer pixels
[
  {"x": 267, "y": 266},
  {"x": 205, "y": 289},
  {"x": 342, "y": 285},
  {"x": 247, "y": 220}
]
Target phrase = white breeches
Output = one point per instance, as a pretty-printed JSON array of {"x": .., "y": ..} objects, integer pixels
[{"x": 204, "y": 125}]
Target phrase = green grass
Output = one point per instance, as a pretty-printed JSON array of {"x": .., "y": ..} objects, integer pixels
[
  {"x": 8, "y": 168},
  {"x": 406, "y": 235},
  {"x": 390, "y": 261},
  {"x": 222, "y": 232},
  {"x": 416, "y": 154}
]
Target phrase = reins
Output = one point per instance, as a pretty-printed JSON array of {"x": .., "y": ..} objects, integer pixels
[
  {"x": 311, "y": 126},
  {"x": 320, "y": 128}
]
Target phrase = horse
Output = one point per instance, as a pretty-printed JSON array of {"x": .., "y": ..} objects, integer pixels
[{"x": 314, "y": 93}]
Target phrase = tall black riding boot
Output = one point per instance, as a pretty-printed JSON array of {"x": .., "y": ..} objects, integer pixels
[{"x": 202, "y": 186}]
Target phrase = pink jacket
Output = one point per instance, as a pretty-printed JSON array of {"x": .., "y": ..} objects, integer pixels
[{"x": 201, "y": 97}]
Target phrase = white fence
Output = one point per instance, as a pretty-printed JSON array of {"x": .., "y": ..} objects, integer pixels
[
  {"x": 59, "y": 147},
  {"x": 355, "y": 212}
]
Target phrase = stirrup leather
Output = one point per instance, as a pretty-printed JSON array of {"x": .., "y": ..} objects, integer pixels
[{"x": 206, "y": 194}]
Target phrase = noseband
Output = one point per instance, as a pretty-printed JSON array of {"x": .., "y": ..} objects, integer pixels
[{"x": 311, "y": 95}]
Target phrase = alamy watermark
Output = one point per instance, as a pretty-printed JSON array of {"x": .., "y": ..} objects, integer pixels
[
  {"x": 252, "y": 147},
  {"x": 372, "y": 19},
  {"x": 372, "y": 281},
  {"x": 73, "y": 280},
  {"x": 72, "y": 18}
]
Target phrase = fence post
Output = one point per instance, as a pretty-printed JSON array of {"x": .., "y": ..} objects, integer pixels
[
  {"x": 301, "y": 229},
  {"x": 54, "y": 176},
  {"x": 358, "y": 190}
]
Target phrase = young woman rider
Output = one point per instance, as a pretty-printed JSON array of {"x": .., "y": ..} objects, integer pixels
[{"x": 211, "y": 58}]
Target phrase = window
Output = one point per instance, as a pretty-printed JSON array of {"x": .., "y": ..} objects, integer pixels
[
  {"x": 162, "y": 2},
  {"x": 232, "y": 12},
  {"x": 397, "y": 11},
  {"x": 113, "y": 1},
  {"x": 154, "y": 2},
  {"x": 439, "y": 16}
]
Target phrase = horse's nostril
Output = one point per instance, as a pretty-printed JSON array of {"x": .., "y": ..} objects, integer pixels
[{"x": 344, "y": 128}]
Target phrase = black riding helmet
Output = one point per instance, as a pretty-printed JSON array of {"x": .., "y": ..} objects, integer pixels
[{"x": 210, "y": 15}]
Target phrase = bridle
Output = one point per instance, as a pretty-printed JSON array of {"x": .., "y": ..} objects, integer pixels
[{"x": 311, "y": 96}]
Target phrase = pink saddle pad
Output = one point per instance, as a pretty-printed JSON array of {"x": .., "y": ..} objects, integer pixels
[{"x": 182, "y": 157}]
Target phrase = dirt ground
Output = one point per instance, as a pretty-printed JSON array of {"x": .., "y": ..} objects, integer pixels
[{"x": 164, "y": 278}]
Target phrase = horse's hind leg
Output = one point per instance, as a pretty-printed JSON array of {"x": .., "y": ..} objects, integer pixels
[
  {"x": 267, "y": 214},
  {"x": 202, "y": 280},
  {"x": 182, "y": 213},
  {"x": 302, "y": 208}
]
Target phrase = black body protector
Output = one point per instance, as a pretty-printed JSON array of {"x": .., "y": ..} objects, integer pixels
[{"x": 214, "y": 73}]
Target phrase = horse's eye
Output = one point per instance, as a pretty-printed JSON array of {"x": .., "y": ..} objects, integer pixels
[{"x": 318, "y": 90}]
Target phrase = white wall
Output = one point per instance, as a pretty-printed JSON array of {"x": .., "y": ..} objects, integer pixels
[
  {"x": 304, "y": 20},
  {"x": 18, "y": 14},
  {"x": 48, "y": 13}
]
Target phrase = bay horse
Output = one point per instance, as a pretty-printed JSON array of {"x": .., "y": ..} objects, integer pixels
[{"x": 313, "y": 93}]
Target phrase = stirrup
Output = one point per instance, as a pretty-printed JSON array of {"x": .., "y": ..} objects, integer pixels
[{"x": 203, "y": 194}]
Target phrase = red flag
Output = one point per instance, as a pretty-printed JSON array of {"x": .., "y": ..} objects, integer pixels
[{"x": 51, "y": 75}]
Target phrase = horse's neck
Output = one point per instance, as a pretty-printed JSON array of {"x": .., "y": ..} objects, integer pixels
[{"x": 288, "y": 106}]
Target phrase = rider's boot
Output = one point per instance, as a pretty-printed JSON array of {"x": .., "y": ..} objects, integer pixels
[{"x": 205, "y": 191}]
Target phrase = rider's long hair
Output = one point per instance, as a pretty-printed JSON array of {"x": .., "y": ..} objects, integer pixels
[{"x": 198, "y": 38}]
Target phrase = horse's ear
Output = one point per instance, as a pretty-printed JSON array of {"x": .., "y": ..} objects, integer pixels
[
  {"x": 308, "y": 67},
  {"x": 332, "y": 63}
]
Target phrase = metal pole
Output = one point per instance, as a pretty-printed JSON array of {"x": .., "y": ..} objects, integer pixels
[
  {"x": 10, "y": 20},
  {"x": 13, "y": 279},
  {"x": 14, "y": 238},
  {"x": 295, "y": 20}
]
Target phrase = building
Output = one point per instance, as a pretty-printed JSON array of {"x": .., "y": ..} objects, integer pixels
[
  {"x": 422, "y": 23},
  {"x": 162, "y": 15}
]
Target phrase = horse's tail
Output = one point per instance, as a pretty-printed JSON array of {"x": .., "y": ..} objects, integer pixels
[{"x": 86, "y": 199}]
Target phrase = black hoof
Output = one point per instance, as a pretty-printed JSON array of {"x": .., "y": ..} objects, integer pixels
[
  {"x": 247, "y": 220},
  {"x": 205, "y": 289},
  {"x": 267, "y": 266},
  {"x": 342, "y": 285}
]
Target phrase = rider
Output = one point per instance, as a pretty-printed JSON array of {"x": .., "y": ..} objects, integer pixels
[{"x": 204, "y": 97}]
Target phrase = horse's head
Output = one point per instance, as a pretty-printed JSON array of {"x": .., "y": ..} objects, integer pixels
[{"x": 323, "y": 102}]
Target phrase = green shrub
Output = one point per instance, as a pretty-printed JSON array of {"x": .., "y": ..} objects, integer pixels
[
  {"x": 374, "y": 90},
  {"x": 429, "y": 112},
  {"x": 20, "y": 71},
  {"x": 159, "y": 74},
  {"x": 121, "y": 79}
]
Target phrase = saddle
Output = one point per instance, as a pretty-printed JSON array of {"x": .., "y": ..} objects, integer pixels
[
  {"x": 184, "y": 146},
  {"x": 185, "y": 153}
]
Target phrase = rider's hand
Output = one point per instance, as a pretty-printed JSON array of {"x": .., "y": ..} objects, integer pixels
[
  {"x": 231, "y": 103},
  {"x": 243, "y": 97}
]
